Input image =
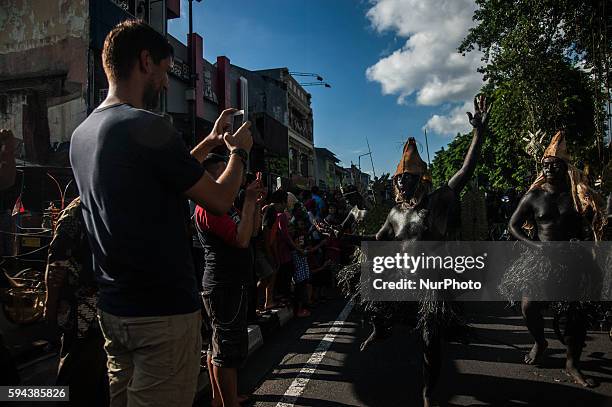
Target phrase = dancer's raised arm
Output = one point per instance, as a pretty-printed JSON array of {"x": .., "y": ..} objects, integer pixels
[{"x": 479, "y": 121}]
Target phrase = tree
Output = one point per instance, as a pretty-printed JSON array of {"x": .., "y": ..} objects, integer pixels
[
  {"x": 543, "y": 62},
  {"x": 577, "y": 31}
]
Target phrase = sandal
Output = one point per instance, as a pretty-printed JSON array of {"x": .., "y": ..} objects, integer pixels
[{"x": 271, "y": 307}]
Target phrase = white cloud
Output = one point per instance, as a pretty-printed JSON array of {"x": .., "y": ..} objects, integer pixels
[
  {"x": 456, "y": 121},
  {"x": 428, "y": 64}
]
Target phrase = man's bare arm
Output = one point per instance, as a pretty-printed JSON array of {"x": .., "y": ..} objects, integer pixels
[
  {"x": 217, "y": 196},
  {"x": 248, "y": 218},
  {"x": 245, "y": 227}
]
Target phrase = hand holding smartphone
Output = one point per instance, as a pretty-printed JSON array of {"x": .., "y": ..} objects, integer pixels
[{"x": 236, "y": 120}]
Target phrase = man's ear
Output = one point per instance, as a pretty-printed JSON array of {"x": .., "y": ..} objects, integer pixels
[{"x": 144, "y": 61}]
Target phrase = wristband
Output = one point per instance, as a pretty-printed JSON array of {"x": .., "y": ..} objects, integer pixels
[{"x": 241, "y": 153}]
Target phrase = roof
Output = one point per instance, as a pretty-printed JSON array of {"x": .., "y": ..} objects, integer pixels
[{"x": 327, "y": 153}]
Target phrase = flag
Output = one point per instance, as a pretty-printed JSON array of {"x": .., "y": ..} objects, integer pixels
[{"x": 18, "y": 208}]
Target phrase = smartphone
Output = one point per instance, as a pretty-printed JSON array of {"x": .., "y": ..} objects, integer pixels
[{"x": 236, "y": 120}]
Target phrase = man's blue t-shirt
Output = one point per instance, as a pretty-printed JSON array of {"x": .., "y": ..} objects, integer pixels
[
  {"x": 320, "y": 204},
  {"x": 132, "y": 168}
]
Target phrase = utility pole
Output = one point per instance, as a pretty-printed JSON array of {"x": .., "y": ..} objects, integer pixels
[
  {"x": 427, "y": 147},
  {"x": 193, "y": 75},
  {"x": 371, "y": 160}
]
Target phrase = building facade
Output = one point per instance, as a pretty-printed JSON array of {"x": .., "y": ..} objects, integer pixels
[
  {"x": 51, "y": 78},
  {"x": 354, "y": 176},
  {"x": 267, "y": 107},
  {"x": 51, "y": 74},
  {"x": 44, "y": 49},
  {"x": 299, "y": 122},
  {"x": 330, "y": 176}
]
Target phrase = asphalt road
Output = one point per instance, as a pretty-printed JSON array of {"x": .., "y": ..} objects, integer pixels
[
  {"x": 291, "y": 368},
  {"x": 304, "y": 364}
]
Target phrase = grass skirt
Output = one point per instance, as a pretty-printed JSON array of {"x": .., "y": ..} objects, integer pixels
[
  {"x": 573, "y": 284},
  {"x": 431, "y": 316},
  {"x": 571, "y": 274}
]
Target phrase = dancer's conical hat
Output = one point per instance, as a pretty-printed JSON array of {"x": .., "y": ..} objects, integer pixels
[
  {"x": 411, "y": 161},
  {"x": 557, "y": 148}
]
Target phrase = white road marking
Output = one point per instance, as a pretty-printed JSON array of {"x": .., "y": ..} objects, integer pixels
[{"x": 294, "y": 392}]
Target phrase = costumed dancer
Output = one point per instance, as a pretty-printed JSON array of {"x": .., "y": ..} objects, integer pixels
[
  {"x": 419, "y": 215},
  {"x": 559, "y": 206}
]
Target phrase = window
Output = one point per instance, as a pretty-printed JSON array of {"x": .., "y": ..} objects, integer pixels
[
  {"x": 304, "y": 165},
  {"x": 4, "y": 104},
  {"x": 293, "y": 160}
]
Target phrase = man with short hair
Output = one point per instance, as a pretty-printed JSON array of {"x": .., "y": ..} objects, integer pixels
[
  {"x": 134, "y": 173},
  {"x": 227, "y": 276},
  {"x": 320, "y": 204}
]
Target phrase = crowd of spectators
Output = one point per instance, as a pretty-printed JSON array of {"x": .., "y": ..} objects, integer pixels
[
  {"x": 265, "y": 253},
  {"x": 292, "y": 262},
  {"x": 125, "y": 278}
]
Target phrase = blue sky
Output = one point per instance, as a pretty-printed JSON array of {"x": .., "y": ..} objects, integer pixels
[{"x": 341, "y": 40}]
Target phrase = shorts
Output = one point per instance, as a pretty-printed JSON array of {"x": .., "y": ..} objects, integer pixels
[{"x": 226, "y": 308}]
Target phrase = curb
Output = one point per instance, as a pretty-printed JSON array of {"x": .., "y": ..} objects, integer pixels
[
  {"x": 255, "y": 338},
  {"x": 265, "y": 326},
  {"x": 284, "y": 315}
]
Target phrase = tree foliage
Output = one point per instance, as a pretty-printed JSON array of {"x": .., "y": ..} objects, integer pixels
[
  {"x": 535, "y": 28},
  {"x": 543, "y": 61}
]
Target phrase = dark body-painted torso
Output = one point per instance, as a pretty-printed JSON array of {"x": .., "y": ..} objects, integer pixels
[
  {"x": 554, "y": 216},
  {"x": 428, "y": 221}
]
